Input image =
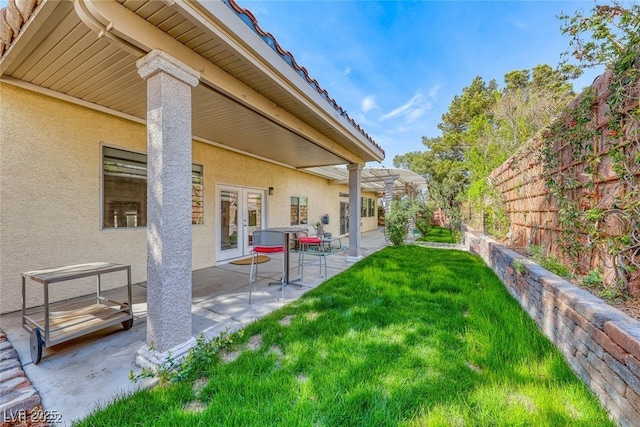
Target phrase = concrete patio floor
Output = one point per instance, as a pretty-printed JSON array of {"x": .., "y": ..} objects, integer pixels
[{"x": 75, "y": 377}]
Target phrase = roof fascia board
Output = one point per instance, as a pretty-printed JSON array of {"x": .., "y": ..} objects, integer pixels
[
  {"x": 137, "y": 36},
  {"x": 221, "y": 20},
  {"x": 42, "y": 21},
  {"x": 93, "y": 15}
]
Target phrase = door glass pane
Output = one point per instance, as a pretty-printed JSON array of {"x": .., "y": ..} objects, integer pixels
[
  {"x": 228, "y": 220},
  {"x": 254, "y": 214},
  {"x": 344, "y": 217},
  {"x": 304, "y": 218},
  {"x": 295, "y": 211}
]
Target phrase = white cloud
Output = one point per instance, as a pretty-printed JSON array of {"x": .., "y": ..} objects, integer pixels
[
  {"x": 413, "y": 109},
  {"x": 415, "y": 114},
  {"x": 521, "y": 25},
  {"x": 369, "y": 103}
]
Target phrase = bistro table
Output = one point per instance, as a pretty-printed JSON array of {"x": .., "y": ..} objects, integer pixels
[{"x": 287, "y": 231}]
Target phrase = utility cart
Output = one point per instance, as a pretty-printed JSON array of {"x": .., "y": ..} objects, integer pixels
[{"x": 54, "y": 323}]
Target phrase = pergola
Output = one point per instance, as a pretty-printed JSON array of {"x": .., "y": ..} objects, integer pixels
[{"x": 388, "y": 182}]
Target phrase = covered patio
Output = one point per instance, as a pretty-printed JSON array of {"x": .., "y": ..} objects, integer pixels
[
  {"x": 74, "y": 377},
  {"x": 190, "y": 73}
]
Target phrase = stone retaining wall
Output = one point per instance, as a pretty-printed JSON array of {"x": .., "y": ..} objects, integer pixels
[{"x": 601, "y": 343}]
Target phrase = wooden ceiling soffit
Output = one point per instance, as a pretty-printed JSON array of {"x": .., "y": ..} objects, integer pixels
[{"x": 138, "y": 37}]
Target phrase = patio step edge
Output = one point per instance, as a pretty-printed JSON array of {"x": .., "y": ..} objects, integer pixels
[{"x": 19, "y": 400}]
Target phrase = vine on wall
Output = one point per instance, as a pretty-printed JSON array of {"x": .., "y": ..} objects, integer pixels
[{"x": 591, "y": 167}]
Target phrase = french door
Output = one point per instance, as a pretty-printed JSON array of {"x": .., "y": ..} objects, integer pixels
[
  {"x": 240, "y": 212},
  {"x": 344, "y": 218}
]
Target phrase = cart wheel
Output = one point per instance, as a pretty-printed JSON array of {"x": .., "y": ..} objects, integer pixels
[
  {"x": 127, "y": 324},
  {"x": 36, "y": 345}
]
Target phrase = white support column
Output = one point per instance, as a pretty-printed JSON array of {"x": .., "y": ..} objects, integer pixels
[
  {"x": 388, "y": 198},
  {"x": 355, "y": 207},
  {"x": 169, "y": 139},
  {"x": 388, "y": 194}
]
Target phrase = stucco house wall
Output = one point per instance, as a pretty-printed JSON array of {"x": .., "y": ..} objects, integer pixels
[{"x": 50, "y": 197}]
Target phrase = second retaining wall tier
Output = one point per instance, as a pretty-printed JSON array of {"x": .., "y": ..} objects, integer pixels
[{"x": 601, "y": 343}]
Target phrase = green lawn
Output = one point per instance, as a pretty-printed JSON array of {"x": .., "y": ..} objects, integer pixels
[
  {"x": 408, "y": 336},
  {"x": 439, "y": 235}
]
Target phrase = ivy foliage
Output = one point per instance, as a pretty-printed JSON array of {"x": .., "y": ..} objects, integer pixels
[
  {"x": 608, "y": 35},
  {"x": 600, "y": 216}
]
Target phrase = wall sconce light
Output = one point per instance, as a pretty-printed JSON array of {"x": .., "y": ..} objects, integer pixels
[{"x": 271, "y": 191}]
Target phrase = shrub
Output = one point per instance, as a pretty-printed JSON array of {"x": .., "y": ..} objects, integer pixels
[
  {"x": 549, "y": 262},
  {"x": 424, "y": 218},
  {"x": 519, "y": 266},
  {"x": 397, "y": 219}
]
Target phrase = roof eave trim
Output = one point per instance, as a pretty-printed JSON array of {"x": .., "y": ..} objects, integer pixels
[
  {"x": 19, "y": 36},
  {"x": 228, "y": 23},
  {"x": 134, "y": 34},
  {"x": 249, "y": 19}
]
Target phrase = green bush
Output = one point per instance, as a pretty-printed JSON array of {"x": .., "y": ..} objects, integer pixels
[
  {"x": 519, "y": 266},
  {"x": 397, "y": 219},
  {"x": 593, "y": 279},
  {"x": 423, "y": 219},
  {"x": 549, "y": 262}
]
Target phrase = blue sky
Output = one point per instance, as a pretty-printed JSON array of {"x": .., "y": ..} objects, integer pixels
[{"x": 395, "y": 66}]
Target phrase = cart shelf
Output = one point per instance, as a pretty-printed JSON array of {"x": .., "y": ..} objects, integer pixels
[{"x": 48, "y": 327}]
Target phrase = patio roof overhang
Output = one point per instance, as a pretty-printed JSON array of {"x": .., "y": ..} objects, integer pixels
[{"x": 252, "y": 97}]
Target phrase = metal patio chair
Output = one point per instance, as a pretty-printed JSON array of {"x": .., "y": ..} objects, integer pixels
[
  {"x": 311, "y": 246},
  {"x": 266, "y": 242}
]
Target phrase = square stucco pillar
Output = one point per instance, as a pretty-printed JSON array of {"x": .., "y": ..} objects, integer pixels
[
  {"x": 355, "y": 207},
  {"x": 169, "y": 138},
  {"x": 388, "y": 194},
  {"x": 388, "y": 198}
]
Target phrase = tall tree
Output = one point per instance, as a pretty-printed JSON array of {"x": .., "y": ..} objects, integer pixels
[
  {"x": 608, "y": 35},
  {"x": 420, "y": 162},
  {"x": 530, "y": 100},
  {"x": 476, "y": 99},
  {"x": 483, "y": 127}
]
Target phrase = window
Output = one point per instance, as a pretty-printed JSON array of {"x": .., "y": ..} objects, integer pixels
[
  {"x": 197, "y": 194},
  {"x": 367, "y": 208},
  {"x": 299, "y": 213},
  {"x": 124, "y": 189}
]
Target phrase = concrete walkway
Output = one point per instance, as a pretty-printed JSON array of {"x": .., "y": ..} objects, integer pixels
[{"x": 75, "y": 377}]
